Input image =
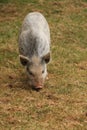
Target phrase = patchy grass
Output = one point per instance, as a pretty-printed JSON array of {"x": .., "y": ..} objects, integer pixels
[{"x": 62, "y": 104}]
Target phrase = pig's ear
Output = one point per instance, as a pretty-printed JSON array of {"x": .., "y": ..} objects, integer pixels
[
  {"x": 24, "y": 60},
  {"x": 46, "y": 58}
]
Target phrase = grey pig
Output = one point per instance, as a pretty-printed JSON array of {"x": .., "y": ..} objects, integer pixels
[{"x": 34, "y": 48}]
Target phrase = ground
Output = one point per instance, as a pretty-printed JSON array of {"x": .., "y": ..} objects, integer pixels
[{"x": 62, "y": 103}]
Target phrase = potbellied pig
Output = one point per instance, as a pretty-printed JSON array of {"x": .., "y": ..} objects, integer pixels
[{"x": 34, "y": 48}]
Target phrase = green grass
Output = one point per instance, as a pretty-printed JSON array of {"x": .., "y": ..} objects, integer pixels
[{"x": 62, "y": 103}]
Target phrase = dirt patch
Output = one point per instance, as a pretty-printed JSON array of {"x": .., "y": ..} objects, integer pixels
[
  {"x": 8, "y": 12},
  {"x": 82, "y": 65}
]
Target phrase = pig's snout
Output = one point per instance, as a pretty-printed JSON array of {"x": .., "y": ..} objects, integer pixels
[{"x": 38, "y": 86}]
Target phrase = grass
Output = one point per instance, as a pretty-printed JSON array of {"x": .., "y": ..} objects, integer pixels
[{"x": 62, "y": 104}]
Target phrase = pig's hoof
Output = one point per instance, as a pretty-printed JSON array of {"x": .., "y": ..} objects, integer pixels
[{"x": 47, "y": 78}]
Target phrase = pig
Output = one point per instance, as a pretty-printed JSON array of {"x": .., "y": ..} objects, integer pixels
[{"x": 34, "y": 48}]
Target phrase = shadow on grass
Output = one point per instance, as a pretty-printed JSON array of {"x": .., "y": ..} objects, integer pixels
[{"x": 20, "y": 82}]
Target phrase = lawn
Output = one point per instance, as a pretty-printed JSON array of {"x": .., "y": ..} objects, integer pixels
[{"x": 62, "y": 103}]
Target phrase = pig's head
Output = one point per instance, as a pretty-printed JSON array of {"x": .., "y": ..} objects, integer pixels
[{"x": 36, "y": 69}]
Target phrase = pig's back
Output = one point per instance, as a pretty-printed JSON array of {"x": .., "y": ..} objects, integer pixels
[{"x": 34, "y": 36}]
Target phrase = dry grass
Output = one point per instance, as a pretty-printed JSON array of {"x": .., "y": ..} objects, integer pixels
[{"x": 62, "y": 104}]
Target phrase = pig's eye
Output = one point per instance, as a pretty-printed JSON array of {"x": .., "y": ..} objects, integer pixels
[
  {"x": 42, "y": 71},
  {"x": 31, "y": 73}
]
